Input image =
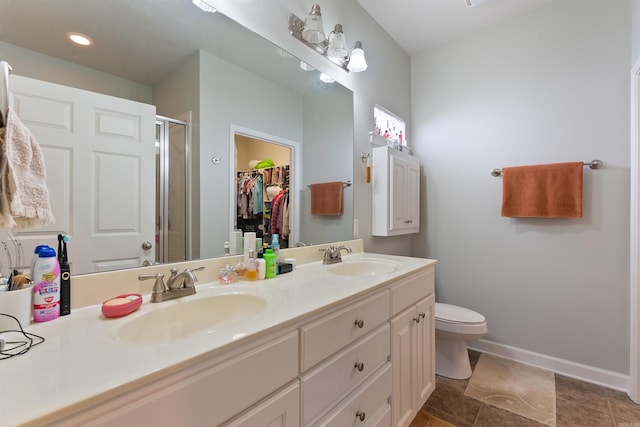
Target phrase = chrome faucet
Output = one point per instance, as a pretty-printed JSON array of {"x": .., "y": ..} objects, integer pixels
[
  {"x": 178, "y": 285},
  {"x": 332, "y": 254}
]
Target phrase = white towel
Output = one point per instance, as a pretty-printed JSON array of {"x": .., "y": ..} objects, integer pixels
[{"x": 24, "y": 197}]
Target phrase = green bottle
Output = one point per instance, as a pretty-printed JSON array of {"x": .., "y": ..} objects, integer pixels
[{"x": 270, "y": 264}]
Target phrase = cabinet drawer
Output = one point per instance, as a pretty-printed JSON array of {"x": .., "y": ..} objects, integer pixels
[
  {"x": 281, "y": 410},
  {"x": 411, "y": 289},
  {"x": 365, "y": 406},
  {"x": 341, "y": 373},
  {"x": 325, "y": 336}
]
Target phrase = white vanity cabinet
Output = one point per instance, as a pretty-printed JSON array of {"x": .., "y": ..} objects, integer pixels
[
  {"x": 345, "y": 365},
  {"x": 395, "y": 192},
  {"x": 365, "y": 359},
  {"x": 204, "y": 394},
  {"x": 412, "y": 345}
]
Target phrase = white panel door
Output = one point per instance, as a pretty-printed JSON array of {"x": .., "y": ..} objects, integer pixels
[{"x": 100, "y": 157}]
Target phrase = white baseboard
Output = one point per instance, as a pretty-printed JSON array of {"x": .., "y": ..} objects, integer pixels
[{"x": 564, "y": 367}]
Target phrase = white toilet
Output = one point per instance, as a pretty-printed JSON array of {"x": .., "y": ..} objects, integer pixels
[{"x": 455, "y": 326}]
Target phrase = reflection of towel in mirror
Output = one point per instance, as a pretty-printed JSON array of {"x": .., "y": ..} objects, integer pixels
[
  {"x": 24, "y": 201},
  {"x": 326, "y": 198}
]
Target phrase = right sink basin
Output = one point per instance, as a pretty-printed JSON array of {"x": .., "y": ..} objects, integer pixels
[{"x": 364, "y": 267}]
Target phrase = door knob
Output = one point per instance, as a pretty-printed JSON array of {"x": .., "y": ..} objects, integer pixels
[{"x": 146, "y": 245}]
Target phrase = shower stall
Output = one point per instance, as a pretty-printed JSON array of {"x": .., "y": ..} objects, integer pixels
[{"x": 172, "y": 216}]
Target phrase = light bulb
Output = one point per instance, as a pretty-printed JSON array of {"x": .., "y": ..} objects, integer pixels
[{"x": 357, "y": 62}]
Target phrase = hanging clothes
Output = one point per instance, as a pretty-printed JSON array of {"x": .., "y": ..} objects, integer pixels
[{"x": 258, "y": 201}]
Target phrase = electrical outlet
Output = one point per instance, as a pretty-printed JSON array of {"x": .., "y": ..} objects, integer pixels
[{"x": 356, "y": 227}]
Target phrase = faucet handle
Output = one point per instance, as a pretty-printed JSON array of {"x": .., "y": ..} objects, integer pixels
[
  {"x": 158, "y": 286},
  {"x": 190, "y": 272}
]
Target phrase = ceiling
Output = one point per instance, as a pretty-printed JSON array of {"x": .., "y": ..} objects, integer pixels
[
  {"x": 143, "y": 40},
  {"x": 419, "y": 25}
]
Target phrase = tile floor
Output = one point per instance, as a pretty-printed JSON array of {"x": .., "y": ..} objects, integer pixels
[{"x": 578, "y": 404}]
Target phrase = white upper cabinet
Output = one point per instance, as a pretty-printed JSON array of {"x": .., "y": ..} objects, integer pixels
[{"x": 396, "y": 192}]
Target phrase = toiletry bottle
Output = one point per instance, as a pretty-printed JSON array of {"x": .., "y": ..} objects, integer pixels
[
  {"x": 241, "y": 268},
  {"x": 275, "y": 245},
  {"x": 36, "y": 252},
  {"x": 251, "y": 273},
  {"x": 261, "y": 266},
  {"x": 46, "y": 291},
  {"x": 271, "y": 265}
]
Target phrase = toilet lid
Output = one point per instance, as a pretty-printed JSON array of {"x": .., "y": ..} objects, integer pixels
[{"x": 453, "y": 313}]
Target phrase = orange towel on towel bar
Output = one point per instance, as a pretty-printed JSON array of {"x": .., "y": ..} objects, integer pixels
[
  {"x": 326, "y": 198},
  {"x": 549, "y": 191}
]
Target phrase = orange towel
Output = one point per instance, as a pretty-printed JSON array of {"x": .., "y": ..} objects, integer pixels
[
  {"x": 549, "y": 191},
  {"x": 326, "y": 198}
]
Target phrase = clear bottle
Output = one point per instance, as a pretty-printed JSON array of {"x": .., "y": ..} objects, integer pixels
[
  {"x": 46, "y": 291},
  {"x": 251, "y": 272},
  {"x": 275, "y": 245},
  {"x": 240, "y": 268}
]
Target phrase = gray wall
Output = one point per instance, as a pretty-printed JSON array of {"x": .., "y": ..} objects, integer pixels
[
  {"x": 549, "y": 86},
  {"x": 386, "y": 82},
  {"x": 251, "y": 102}
]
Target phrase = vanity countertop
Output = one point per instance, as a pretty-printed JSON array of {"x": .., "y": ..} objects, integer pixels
[{"x": 83, "y": 360}]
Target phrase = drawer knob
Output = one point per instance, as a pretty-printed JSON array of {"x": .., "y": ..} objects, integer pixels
[
  {"x": 360, "y": 415},
  {"x": 359, "y": 366},
  {"x": 359, "y": 323}
]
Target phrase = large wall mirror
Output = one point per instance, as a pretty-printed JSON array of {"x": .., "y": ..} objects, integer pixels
[{"x": 205, "y": 77}]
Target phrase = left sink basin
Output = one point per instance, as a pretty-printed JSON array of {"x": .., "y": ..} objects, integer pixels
[{"x": 183, "y": 318}]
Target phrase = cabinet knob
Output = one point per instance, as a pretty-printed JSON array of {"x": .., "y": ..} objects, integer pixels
[
  {"x": 417, "y": 319},
  {"x": 360, "y": 415},
  {"x": 359, "y": 323},
  {"x": 422, "y": 314},
  {"x": 359, "y": 366}
]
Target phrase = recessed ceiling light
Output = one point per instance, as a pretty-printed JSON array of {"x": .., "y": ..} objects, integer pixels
[{"x": 80, "y": 39}]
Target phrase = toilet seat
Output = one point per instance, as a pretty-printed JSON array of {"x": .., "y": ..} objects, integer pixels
[
  {"x": 453, "y": 313},
  {"x": 451, "y": 318}
]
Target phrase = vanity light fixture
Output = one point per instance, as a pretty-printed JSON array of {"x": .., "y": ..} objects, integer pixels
[
  {"x": 311, "y": 33},
  {"x": 204, "y": 5},
  {"x": 80, "y": 39},
  {"x": 326, "y": 78}
]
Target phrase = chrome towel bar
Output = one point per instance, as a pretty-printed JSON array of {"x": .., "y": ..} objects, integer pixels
[{"x": 594, "y": 164}]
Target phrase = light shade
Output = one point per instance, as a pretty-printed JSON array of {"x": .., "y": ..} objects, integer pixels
[
  {"x": 337, "y": 48},
  {"x": 357, "y": 62},
  {"x": 204, "y": 5},
  {"x": 326, "y": 78},
  {"x": 313, "y": 31}
]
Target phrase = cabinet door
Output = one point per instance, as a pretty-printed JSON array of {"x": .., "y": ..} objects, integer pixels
[
  {"x": 280, "y": 410},
  {"x": 425, "y": 349},
  {"x": 403, "y": 367},
  {"x": 398, "y": 170},
  {"x": 412, "y": 195}
]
